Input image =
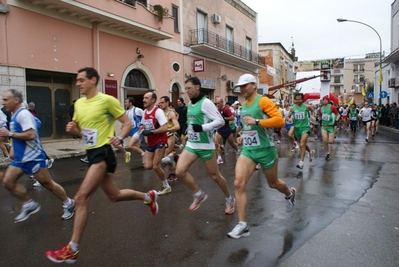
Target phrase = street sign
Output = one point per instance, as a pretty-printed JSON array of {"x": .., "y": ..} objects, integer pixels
[
  {"x": 383, "y": 94},
  {"x": 370, "y": 95}
]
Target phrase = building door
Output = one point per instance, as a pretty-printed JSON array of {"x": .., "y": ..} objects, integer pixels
[
  {"x": 175, "y": 94},
  {"x": 136, "y": 85},
  {"x": 202, "y": 27}
]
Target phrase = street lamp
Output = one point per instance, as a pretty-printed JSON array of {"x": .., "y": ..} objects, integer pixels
[{"x": 379, "y": 37}]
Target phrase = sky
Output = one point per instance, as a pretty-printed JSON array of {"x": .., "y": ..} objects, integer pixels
[{"x": 312, "y": 26}]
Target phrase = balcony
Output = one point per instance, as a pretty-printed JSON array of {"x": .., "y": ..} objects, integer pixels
[
  {"x": 212, "y": 45},
  {"x": 131, "y": 17},
  {"x": 358, "y": 70}
]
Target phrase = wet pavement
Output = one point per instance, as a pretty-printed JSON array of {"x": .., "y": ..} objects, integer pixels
[{"x": 346, "y": 215}]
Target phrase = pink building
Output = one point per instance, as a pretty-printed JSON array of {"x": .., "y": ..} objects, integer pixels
[{"x": 136, "y": 45}]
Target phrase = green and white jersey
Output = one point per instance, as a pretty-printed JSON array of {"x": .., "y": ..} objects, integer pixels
[
  {"x": 206, "y": 114},
  {"x": 353, "y": 114},
  {"x": 327, "y": 116},
  {"x": 255, "y": 136},
  {"x": 301, "y": 116}
]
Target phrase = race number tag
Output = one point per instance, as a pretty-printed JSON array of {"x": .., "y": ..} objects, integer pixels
[
  {"x": 250, "y": 138},
  {"x": 193, "y": 136},
  {"x": 89, "y": 136},
  {"x": 367, "y": 117},
  {"x": 325, "y": 117},
  {"x": 148, "y": 125},
  {"x": 353, "y": 118},
  {"x": 299, "y": 115}
]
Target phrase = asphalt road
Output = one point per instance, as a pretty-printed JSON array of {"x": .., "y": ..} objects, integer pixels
[{"x": 126, "y": 234}]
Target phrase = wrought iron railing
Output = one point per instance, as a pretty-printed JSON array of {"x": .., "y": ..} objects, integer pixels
[
  {"x": 203, "y": 36},
  {"x": 134, "y": 3}
]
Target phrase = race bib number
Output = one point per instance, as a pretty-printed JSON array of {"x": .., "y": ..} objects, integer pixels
[
  {"x": 325, "y": 117},
  {"x": 367, "y": 117},
  {"x": 89, "y": 136},
  {"x": 250, "y": 138},
  {"x": 299, "y": 115},
  {"x": 193, "y": 136},
  {"x": 353, "y": 118},
  {"x": 148, "y": 125}
]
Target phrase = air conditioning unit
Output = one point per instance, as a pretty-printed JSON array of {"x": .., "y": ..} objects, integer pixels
[
  {"x": 391, "y": 83},
  {"x": 216, "y": 19},
  {"x": 229, "y": 85}
]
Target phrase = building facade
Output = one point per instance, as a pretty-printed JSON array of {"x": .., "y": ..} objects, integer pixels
[
  {"x": 136, "y": 45},
  {"x": 279, "y": 68},
  {"x": 220, "y": 44},
  {"x": 391, "y": 70}
]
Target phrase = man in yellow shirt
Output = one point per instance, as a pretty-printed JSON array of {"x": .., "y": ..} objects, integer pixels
[{"x": 94, "y": 119}]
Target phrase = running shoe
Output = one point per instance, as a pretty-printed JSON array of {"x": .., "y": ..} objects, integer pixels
[
  {"x": 172, "y": 177},
  {"x": 278, "y": 141},
  {"x": 127, "y": 157},
  {"x": 165, "y": 190},
  {"x": 65, "y": 254},
  {"x": 27, "y": 211},
  {"x": 367, "y": 140},
  {"x": 290, "y": 200},
  {"x": 197, "y": 201},
  {"x": 153, "y": 202},
  {"x": 257, "y": 167},
  {"x": 239, "y": 231},
  {"x": 85, "y": 160},
  {"x": 219, "y": 161},
  {"x": 230, "y": 206},
  {"x": 300, "y": 165},
  {"x": 49, "y": 163},
  {"x": 37, "y": 184},
  {"x": 328, "y": 156},
  {"x": 311, "y": 155},
  {"x": 69, "y": 211}
]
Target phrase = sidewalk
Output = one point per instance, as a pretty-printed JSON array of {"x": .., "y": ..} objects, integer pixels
[{"x": 58, "y": 149}]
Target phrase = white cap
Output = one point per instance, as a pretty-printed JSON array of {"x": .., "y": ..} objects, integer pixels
[
  {"x": 245, "y": 79},
  {"x": 236, "y": 103}
]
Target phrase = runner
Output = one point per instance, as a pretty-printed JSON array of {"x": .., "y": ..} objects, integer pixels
[
  {"x": 28, "y": 157},
  {"x": 257, "y": 113},
  {"x": 289, "y": 125},
  {"x": 135, "y": 114},
  {"x": 94, "y": 119},
  {"x": 354, "y": 118},
  {"x": 224, "y": 133},
  {"x": 203, "y": 119},
  {"x": 300, "y": 113},
  {"x": 329, "y": 115},
  {"x": 366, "y": 114},
  {"x": 154, "y": 126},
  {"x": 173, "y": 126}
]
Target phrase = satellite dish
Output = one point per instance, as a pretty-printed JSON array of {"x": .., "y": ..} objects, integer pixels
[{"x": 223, "y": 78}]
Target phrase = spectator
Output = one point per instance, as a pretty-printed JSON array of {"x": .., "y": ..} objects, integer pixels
[
  {"x": 391, "y": 115},
  {"x": 31, "y": 108},
  {"x": 181, "y": 109},
  {"x": 396, "y": 117},
  {"x": 383, "y": 117},
  {"x": 386, "y": 114}
]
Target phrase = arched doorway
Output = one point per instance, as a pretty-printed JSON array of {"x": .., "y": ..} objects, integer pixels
[
  {"x": 136, "y": 85},
  {"x": 175, "y": 93}
]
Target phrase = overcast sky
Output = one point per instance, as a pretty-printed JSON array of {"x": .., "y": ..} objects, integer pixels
[{"x": 313, "y": 26}]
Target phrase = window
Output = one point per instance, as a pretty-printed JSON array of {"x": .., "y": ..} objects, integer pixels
[
  {"x": 358, "y": 67},
  {"x": 175, "y": 14},
  {"x": 144, "y": 2},
  {"x": 248, "y": 48},
  {"x": 229, "y": 40}
]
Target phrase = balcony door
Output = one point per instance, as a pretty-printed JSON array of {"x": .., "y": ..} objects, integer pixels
[
  {"x": 202, "y": 27},
  {"x": 229, "y": 39}
]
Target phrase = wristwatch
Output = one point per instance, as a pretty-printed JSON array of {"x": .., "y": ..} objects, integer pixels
[
  {"x": 257, "y": 121},
  {"x": 10, "y": 134}
]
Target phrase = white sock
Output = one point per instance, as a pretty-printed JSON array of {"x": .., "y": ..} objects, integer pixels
[
  {"x": 74, "y": 246},
  {"x": 147, "y": 198},
  {"x": 219, "y": 157},
  {"x": 228, "y": 198},
  {"x": 243, "y": 223},
  {"x": 142, "y": 154},
  {"x": 67, "y": 202},
  {"x": 198, "y": 194},
  {"x": 165, "y": 183}
]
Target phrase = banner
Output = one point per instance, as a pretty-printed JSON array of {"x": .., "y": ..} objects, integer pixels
[
  {"x": 363, "y": 91},
  {"x": 336, "y": 63}
]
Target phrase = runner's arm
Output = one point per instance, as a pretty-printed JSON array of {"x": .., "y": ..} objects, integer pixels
[
  {"x": 211, "y": 111},
  {"x": 176, "y": 125},
  {"x": 275, "y": 120}
]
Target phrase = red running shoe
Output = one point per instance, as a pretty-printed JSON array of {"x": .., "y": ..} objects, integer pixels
[
  {"x": 153, "y": 202},
  {"x": 65, "y": 254}
]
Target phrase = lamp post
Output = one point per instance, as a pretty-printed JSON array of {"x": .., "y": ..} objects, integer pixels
[{"x": 379, "y": 37}]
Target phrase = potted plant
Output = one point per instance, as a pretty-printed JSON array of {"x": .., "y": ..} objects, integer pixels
[{"x": 160, "y": 12}]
